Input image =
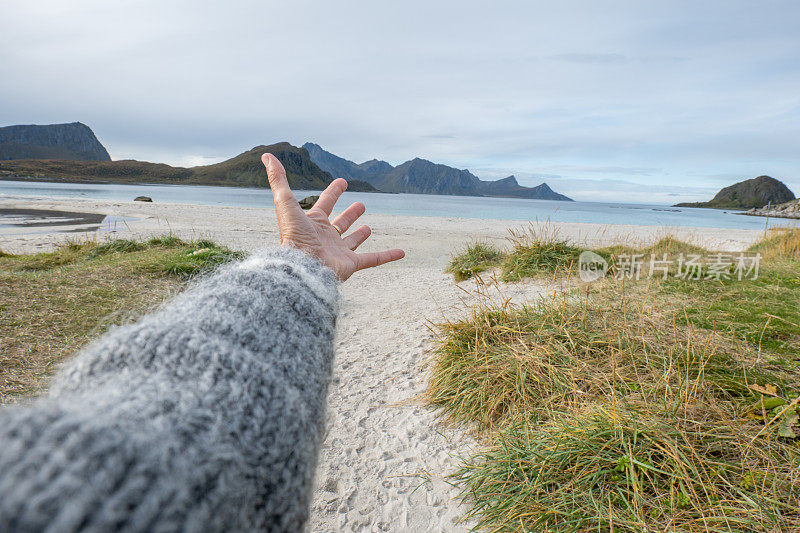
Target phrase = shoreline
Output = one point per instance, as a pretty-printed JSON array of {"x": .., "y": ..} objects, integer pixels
[
  {"x": 771, "y": 215},
  {"x": 78, "y": 181},
  {"x": 14, "y": 199},
  {"x": 385, "y": 457},
  {"x": 151, "y": 218}
]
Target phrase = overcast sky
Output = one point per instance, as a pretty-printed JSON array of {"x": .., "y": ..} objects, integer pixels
[{"x": 628, "y": 100}]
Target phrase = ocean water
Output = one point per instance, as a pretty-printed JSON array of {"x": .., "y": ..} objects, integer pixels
[{"x": 411, "y": 204}]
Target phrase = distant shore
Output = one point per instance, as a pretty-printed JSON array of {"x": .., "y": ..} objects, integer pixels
[
  {"x": 8, "y": 177},
  {"x": 122, "y": 181},
  {"x": 427, "y": 205},
  {"x": 238, "y": 226}
]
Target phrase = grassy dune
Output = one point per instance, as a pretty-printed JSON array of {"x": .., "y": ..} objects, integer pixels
[
  {"x": 625, "y": 405},
  {"x": 51, "y": 304},
  {"x": 540, "y": 252}
]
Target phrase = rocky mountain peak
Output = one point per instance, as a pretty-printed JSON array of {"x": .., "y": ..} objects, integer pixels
[
  {"x": 74, "y": 142},
  {"x": 421, "y": 176}
]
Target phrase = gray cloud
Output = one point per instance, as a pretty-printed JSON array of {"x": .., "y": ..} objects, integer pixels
[
  {"x": 673, "y": 94},
  {"x": 606, "y": 59},
  {"x": 612, "y": 59}
]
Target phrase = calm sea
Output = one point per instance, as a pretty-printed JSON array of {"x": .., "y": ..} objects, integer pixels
[{"x": 411, "y": 204}]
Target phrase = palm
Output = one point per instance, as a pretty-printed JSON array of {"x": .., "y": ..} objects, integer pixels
[
  {"x": 315, "y": 234},
  {"x": 338, "y": 256}
]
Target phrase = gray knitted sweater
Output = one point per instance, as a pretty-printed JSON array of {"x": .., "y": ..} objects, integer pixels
[{"x": 204, "y": 416}]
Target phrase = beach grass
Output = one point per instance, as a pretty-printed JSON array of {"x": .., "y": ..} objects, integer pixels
[
  {"x": 52, "y": 303},
  {"x": 632, "y": 405},
  {"x": 538, "y": 251},
  {"x": 477, "y": 257},
  {"x": 780, "y": 243},
  {"x": 532, "y": 252}
]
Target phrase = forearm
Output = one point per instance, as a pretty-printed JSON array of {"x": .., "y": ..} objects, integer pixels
[{"x": 204, "y": 415}]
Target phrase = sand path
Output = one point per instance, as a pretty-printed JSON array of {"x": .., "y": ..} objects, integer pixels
[{"x": 384, "y": 461}]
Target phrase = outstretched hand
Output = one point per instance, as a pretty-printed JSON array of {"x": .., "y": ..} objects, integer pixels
[{"x": 313, "y": 233}]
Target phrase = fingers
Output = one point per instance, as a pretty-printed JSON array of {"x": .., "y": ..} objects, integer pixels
[
  {"x": 355, "y": 239},
  {"x": 330, "y": 195},
  {"x": 348, "y": 216},
  {"x": 276, "y": 174},
  {"x": 379, "y": 258}
]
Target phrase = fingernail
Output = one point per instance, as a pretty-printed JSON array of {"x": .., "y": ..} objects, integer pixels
[{"x": 268, "y": 160}]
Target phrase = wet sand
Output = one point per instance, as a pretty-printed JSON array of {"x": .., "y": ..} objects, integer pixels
[{"x": 54, "y": 220}]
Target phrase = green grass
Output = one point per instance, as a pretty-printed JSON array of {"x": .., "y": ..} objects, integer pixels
[
  {"x": 168, "y": 255},
  {"x": 629, "y": 405},
  {"x": 201, "y": 257},
  {"x": 763, "y": 312},
  {"x": 542, "y": 253},
  {"x": 51, "y": 304},
  {"x": 532, "y": 253},
  {"x": 535, "y": 253},
  {"x": 476, "y": 258},
  {"x": 615, "y": 469},
  {"x": 671, "y": 245}
]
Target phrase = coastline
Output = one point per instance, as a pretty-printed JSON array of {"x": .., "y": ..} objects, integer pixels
[
  {"x": 771, "y": 215},
  {"x": 236, "y": 227},
  {"x": 788, "y": 210},
  {"x": 385, "y": 457}
]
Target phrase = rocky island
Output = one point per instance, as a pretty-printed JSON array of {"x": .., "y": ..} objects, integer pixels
[{"x": 748, "y": 194}]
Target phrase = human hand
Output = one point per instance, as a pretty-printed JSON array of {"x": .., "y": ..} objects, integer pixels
[{"x": 314, "y": 234}]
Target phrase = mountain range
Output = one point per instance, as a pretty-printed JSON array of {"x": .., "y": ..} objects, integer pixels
[
  {"x": 244, "y": 170},
  {"x": 421, "y": 176},
  {"x": 71, "y": 152}
]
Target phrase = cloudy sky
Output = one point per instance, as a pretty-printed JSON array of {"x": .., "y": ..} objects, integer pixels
[{"x": 627, "y": 100}]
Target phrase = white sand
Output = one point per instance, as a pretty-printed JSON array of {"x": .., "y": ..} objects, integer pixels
[{"x": 385, "y": 459}]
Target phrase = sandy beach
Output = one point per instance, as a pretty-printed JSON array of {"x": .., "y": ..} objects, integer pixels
[{"x": 385, "y": 457}]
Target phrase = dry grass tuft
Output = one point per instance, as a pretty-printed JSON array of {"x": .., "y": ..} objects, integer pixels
[
  {"x": 534, "y": 251},
  {"x": 538, "y": 251},
  {"x": 476, "y": 258},
  {"x": 631, "y": 405},
  {"x": 780, "y": 243},
  {"x": 52, "y": 304}
]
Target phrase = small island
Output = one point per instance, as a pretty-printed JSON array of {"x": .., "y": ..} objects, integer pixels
[{"x": 748, "y": 194}]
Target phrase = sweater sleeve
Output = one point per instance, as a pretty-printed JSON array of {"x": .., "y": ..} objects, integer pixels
[{"x": 206, "y": 415}]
